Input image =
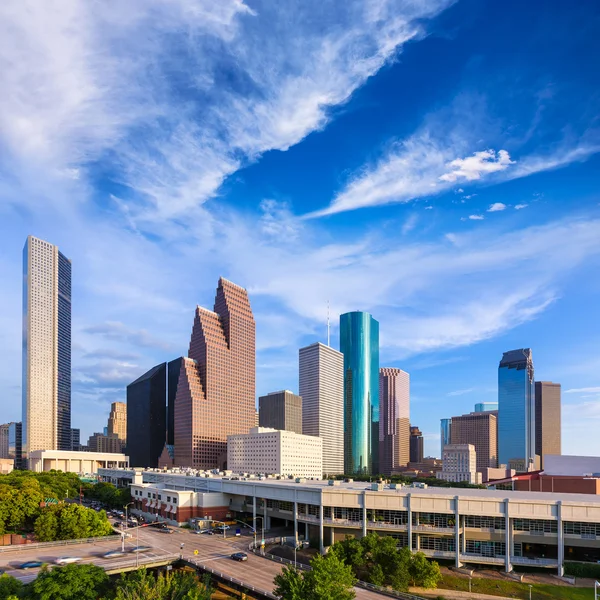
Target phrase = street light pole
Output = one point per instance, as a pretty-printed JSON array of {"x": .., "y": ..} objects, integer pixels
[
  {"x": 469, "y": 584},
  {"x": 530, "y": 586},
  {"x": 596, "y": 586},
  {"x": 128, "y": 504}
]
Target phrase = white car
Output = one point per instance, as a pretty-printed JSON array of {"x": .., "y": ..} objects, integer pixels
[{"x": 67, "y": 560}]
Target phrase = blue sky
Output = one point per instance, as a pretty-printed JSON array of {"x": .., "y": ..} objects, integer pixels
[{"x": 433, "y": 162}]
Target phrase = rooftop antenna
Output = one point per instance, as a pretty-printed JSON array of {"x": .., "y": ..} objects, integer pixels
[{"x": 328, "y": 335}]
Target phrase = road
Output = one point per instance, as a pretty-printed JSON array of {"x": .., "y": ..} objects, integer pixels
[{"x": 212, "y": 551}]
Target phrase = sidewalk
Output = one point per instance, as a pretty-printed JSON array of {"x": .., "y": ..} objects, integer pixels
[{"x": 454, "y": 594}]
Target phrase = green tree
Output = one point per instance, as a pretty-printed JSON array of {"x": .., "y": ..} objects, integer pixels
[
  {"x": 328, "y": 579},
  {"x": 10, "y": 587},
  {"x": 424, "y": 573},
  {"x": 143, "y": 585},
  {"x": 83, "y": 582},
  {"x": 46, "y": 525},
  {"x": 70, "y": 521}
]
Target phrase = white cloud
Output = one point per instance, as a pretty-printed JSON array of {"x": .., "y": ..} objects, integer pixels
[
  {"x": 480, "y": 163},
  {"x": 460, "y": 392},
  {"x": 588, "y": 390},
  {"x": 496, "y": 207},
  {"x": 410, "y": 223},
  {"x": 520, "y": 206},
  {"x": 429, "y": 208},
  {"x": 476, "y": 217}
]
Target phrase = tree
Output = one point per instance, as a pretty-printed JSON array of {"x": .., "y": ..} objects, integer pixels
[
  {"x": 10, "y": 587},
  {"x": 84, "y": 582},
  {"x": 424, "y": 573},
  {"x": 143, "y": 585},
  {"x": 328, "y": 579},
  {"x": 70, "y": 521},
  {"x": 46, "y": 526}
]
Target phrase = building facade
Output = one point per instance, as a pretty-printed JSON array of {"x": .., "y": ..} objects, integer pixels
[
  {"x": 445, "y": 433},
  {"x": 321, "y": 386},
  {"x": 46, "y": 347},
  {"x": 516, "y": 409},
  {"x": 359, "y": 343},
  {"x": 394, "y": 420},
  {"x": 459, "y": 463},
  {"x": 15, "y": 444},
  {"x": 486, "y": 406},
  {"x": 416, "y": 445},
  {"x": 75, "y": 439},
  {"x": 216, "y": 389},
  {"x": 173, "y": 372},
  {"x": 82, "y": 463},
  {"x": 117, "y": 421},
  {"x": 4, "y": 440},
  {"x": 481, "y": 430},
  {"x": 547, "y": 419},
  {"x": 280, "y": 410},
  {"x": 466, "y": 526},
  {"x": 275, "y": 452},
  {"x": 147, "y": 417}
]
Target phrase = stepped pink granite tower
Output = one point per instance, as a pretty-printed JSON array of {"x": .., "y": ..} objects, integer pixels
[{"x": 216, "y": 389}]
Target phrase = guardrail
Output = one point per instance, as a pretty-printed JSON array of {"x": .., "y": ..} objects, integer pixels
[
  {"x": 34, "y": 545},
  {"x": 232, "y": 580}
]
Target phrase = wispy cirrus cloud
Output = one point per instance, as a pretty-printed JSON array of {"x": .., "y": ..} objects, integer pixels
[
  {"x": 460, "y": 392},
  {"x": 588, "y": 390}
]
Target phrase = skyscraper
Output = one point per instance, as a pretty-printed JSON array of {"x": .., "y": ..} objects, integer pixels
[
  {"x": 479, "y": 429},
  {"x": 75, "y": 439},
  {"x": 117, "y": 421},
  {"x": 280, "y": 410},
  {"x": 359, "y": 343},
  {"x": 321, "y": 370},
  {"x": 15, "y": 443},
  {"x": 173, "y": 371},
  {"x": 216, "y": 390},
  {"x": 445, "y": 433},
  {"x": 147, "y": 417},
  {"x": 547, "y": 419},
  {"x": 416, "y": 445},
  {"x": 46, "y": 347},
  {"x": 394, "y": 420},
  {"x": 486, "y": 406},
  {"x": 4, "y": 440},
  {"x": 516, "y": 410}
]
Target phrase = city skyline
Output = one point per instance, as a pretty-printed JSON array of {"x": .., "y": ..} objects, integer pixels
[{"x": 447, "y": 166}]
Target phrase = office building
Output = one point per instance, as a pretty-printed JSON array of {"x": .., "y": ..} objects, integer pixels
[
  {"x": 4, "y": 440},
  {"x": 216, "y": 392},
  {"x": 445, "y": 433},
  {"x": 394, "y": 420},
  {"x": 486, "y": 406},
  {"x": 46, "y": 348},
  {"x": 280, "y": 410},
  {"x": 173, "y": 371},
  {"x": 75, "y": 439},
  {"x": 459, "y": 463},
  {"x": 117, "y": 421},
  {"x": 15, "y": 444},
  {"x": 466, "y": 526},
  {"x": 516, "y": 410},
  {"x": 269, "y": 451},
  {"x": 481, "y": 430},
  {"x": 321, "y": 379},
  {"x": 359, "y": 343},
  {"x": 547, "y": 419},
  {"x": 416, "y": 445},
  {"x": 147, "y": 417}
]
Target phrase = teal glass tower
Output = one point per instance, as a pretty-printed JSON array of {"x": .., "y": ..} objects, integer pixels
[
  {"x": 516, "y": 410},
  {"x": 359, "y": 343}
]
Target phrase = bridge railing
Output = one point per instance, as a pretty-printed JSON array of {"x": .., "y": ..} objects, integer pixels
[{"x": 34, "y": 545}]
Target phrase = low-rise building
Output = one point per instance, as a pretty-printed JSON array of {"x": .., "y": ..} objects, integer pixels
[
  {"x": 273, "y": 451},
  {"x": 83, "y": 463},
  {"x": 459, "y": 463}
]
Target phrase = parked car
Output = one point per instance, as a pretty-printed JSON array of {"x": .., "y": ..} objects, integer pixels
[
  {"x": 31, "y": 564},
  {"x": 167, "y": 530},
  {"x": 113, "y": 554},
  {"x": 239, "y": 556},
  {"x": 67, "y": 560},
  {"x": 137, "y": 549}
]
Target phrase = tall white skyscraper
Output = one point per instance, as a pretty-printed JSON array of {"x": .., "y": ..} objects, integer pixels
[
  {"x": 322, "y": 391},
  {"x": 46, "y": 348}
]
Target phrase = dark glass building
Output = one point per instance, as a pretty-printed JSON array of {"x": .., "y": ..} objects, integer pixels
[
  {"x": 15, "y": 440},
  {"x": 516, "y": 410},
  {"x": 280, "y": 410},
  {"x": 75, "y": 440},
  {"x": 416, "y": 445},
  {"x": 147, "y": 417},
  {"x": 63, "y": 400},
  {"x": 359, "y": 343}
]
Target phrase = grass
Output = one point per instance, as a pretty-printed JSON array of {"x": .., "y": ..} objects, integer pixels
[{"x": 515, "y": 589}]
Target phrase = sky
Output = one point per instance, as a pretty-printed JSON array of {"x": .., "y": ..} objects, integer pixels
[{"x": 435, "y": 163}]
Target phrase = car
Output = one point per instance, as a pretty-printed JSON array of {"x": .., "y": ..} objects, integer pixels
[
  {"x": 200, "y": 531},
  {"x": 137, "y": 549},
  {"x": 113, "y": 554},
  {"x": 31, "y": 564},
  {"x": 221, "y": 527},
  {"x": 239, "y": 556},
  {"x": 67, "y": 560},
  {"x": 166, "y": 530},
  {"x": 209, "y": 532}
]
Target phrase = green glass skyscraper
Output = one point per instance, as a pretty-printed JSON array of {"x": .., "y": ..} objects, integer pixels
[{"x": 359, "y": 343}]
